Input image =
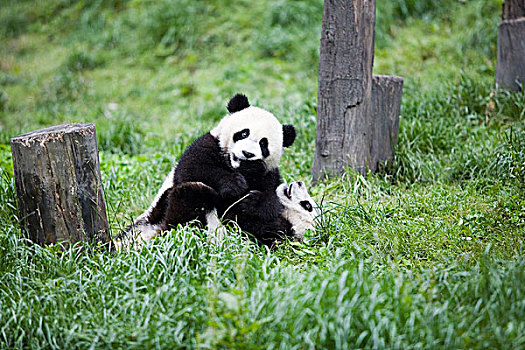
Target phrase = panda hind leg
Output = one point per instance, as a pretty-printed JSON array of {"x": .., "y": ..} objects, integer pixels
[{"x": 188, "y": 202}]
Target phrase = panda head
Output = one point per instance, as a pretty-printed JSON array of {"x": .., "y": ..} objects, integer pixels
[
  {"x": 295, "y": 198},
  {"x": 250, "y": 133},
  {"x": 298, "y": 207}
]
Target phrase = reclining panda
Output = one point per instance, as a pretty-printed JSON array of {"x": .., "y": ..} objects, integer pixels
[{"x": 231, "y": 173}]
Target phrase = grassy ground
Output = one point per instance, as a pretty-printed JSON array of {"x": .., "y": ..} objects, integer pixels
[{"x": 426, "y": 254}]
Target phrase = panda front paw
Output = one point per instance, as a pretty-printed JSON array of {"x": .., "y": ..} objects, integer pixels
[
  {"x": 235, "y": 187},
  {"x": 252, "y": 168},
  {"x": 255, "y": 197},
  {"x": 251, "y": 202}
]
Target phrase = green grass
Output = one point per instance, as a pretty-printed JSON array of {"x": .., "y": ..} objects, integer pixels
[
  {"x": 428, "y": 253},
  {"x": 180, "y": 292}
]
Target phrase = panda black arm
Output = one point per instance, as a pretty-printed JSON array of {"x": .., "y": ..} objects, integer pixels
[
  {"x": 268, "y": 232},
  {"x": 259, "y": 177},
  {"x": 204, "y": 162},
  {"x": 262, "y": 202}
]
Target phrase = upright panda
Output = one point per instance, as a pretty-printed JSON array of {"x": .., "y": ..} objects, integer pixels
[{"x": 238, "y": 159}]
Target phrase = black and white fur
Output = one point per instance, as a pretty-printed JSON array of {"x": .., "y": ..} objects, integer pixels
[
  {"x": 300, "y": 210},
  {"x": 193, "y": 202},
  {"x": 238, "y": 159},
  {"x": 297, "y": 215}
]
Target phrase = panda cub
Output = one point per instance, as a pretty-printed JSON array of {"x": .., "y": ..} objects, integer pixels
[
  {"x": 238, "y": 159},
  {"x": 299, "y": 210}
]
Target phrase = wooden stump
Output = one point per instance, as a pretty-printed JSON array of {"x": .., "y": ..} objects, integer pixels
[
  {"x": 58, "y": 184},
  {"x": 384, "y": 126},
  {"x": 510, "y": 68},
  {"x": 356, "y": 113},
  {"x": 345, "y": 86},
  {"x": 513, "y": 9}
]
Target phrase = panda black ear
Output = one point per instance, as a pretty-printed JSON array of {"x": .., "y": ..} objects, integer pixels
[
  {"x": 238, "y": 103},
  {"x": 289, "y": 135}
]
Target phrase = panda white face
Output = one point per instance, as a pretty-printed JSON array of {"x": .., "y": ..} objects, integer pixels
[
  {"x": 299, "y": 208},
  {"x": 296, "y": 196},
  {"x": 250, "y": 134}
]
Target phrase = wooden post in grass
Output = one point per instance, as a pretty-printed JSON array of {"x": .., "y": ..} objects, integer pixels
[
  {"x": 57, "y": 177},
  {"x": 384, "y": 118},
  {"x": 510, "y": 67},
  {"x": 357, "y": 113}
]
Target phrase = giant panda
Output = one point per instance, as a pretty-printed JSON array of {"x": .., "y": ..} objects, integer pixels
[
  {"x": 239, "y": 160},
  {"x": 299, "y": 209},
  {"x": 297, "y": 215}
]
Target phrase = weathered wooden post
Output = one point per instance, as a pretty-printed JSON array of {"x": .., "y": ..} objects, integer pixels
[
  {"x": 384, "y": 116},
  {"x": 58, "y": 184},
  {"x": 357, "y": 113},
  {"x": 510, "y": 67}
]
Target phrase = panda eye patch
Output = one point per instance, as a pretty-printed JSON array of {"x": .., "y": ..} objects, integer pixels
[
  {"x": 264, "y": 147},
  {"x": 239, "y": 135},
  {"x": 306, "y": 205}
]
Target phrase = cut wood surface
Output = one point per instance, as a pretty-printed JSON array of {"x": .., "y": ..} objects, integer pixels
[{"x": 58, "y": 184}]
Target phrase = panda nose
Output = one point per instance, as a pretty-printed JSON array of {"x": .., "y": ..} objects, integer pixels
[{"x": 248, "y": 155}]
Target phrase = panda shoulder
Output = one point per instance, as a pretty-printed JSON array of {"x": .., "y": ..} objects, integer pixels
[{"x": 206, "y": 145}]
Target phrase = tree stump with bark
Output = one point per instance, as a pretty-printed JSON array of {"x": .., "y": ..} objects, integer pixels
[
  {"x": 357, "y": 113},
  {"x": 58, "y": 185},
  {"x": 510, "y": 67},
  {"x": 384, "y": 117}
]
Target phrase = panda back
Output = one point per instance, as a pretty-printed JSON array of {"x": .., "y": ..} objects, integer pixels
[{"x": 197, "y": 163}]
